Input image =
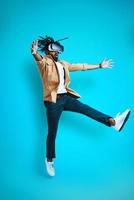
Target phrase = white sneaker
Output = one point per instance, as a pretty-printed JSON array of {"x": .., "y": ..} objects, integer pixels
[
  {"x": 121, "y": 119},
  {"x": 50, "y": 168}
]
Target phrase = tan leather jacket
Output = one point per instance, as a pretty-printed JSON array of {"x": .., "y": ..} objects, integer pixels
[{"x": 50, "y": 77}]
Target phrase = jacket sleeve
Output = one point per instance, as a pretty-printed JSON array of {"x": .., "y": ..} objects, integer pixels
[
  {"x": 41, "y": 66},
  {"x": 76, "y": 67}
]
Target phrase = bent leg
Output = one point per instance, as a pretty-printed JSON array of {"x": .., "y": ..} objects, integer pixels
[{"x": 75, "y": 105}]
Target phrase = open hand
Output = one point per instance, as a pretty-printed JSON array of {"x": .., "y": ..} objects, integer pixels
[
  {"x": 107, "y": 63},
  {"x": 34, "y": 47}
]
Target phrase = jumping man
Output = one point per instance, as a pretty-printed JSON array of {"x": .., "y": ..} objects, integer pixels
[{"x": 57, "y": 95}]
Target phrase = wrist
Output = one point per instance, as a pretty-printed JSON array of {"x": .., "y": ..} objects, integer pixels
[{"x": 100, "y": 65}]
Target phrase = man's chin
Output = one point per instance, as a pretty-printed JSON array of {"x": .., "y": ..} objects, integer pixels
[{"x": 56, "y": 59}]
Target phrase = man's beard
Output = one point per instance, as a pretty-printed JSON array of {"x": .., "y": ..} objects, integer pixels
[{"x": 55, "y": 58}]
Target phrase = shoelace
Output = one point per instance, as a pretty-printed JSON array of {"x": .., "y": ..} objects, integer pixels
[{"x": 117, "y": 115}]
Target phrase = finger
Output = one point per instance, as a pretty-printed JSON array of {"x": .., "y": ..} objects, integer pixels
[
  {"x": 110, "y": 62},
  {"x": 32, "y": 45},
  {"x": 36, "y": 42},
  {"x": 110, "y": 67}
]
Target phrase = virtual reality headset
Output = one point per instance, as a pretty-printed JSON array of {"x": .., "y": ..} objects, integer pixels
[{"x": 56, "y": 46}]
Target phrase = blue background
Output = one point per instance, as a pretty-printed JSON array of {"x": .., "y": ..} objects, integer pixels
[{"x": 93, "y": 161}]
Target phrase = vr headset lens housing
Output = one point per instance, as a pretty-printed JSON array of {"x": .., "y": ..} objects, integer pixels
[{"x": 55, "y": 47}]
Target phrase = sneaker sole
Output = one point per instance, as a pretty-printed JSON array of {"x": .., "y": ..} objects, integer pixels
[{"x": 125, "y": 121}]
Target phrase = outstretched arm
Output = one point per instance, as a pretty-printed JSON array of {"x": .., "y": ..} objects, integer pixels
[
  {"x": 38, "y": 58},
  {"x": 104, "y": 64}
]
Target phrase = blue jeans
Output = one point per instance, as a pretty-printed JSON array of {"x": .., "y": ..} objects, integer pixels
[{"x": 54, "y": 111}]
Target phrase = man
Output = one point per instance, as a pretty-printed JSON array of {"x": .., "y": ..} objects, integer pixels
[{"x": 59, "y": 97}]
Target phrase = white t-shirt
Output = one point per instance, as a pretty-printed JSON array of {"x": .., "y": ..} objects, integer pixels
[{"x": 61, "y": 87}]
